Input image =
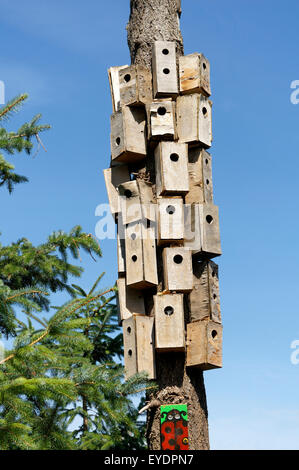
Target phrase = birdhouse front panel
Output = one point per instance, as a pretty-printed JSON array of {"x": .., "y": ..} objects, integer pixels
[
  {"x": 170, "y": 220},
  {"x": 194, "y": 70},
  {"x": 177, "y": 265},
  {"x": 169, "y": 322},
  {"x": 172, "y": 176},
  {"x": 165, "y": 80},
  {"x": 161, "y": 120},
  {"x": 135, "y": 85}
]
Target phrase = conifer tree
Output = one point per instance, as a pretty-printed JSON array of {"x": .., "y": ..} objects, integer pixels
[{"x": 61, "y": 385}]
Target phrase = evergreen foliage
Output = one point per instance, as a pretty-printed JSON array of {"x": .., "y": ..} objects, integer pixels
[{"x": 61, "y": 385}]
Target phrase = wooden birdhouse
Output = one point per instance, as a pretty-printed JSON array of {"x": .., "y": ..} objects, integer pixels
[
  {"x": 177, "y": 266},
  {"x": 141, "y": 263},
  {"x": 113, "y": 74},
  {"x": 128, "y": 134},
  {"x": 202, "y": 234},
  {"x": 194, "y": 119},
  {"x": 204, "y": 300},
  {"x": 194, "y": 72},
  {"x": 171, "y": 159},
  {"x": 170, "y": 220},
  {"x": 137, "y": 201},
  {"x": 165, "y": 80},
  {"x": 200, "y": 177},
  {"x": 135, "y": 84},
  {"x": 161, "y": 120},
  {"x": 114, "y": 177},
  {"x": 169, "y": 322},
  {"x": 204, "y": 345},
  {"x": 129, "y": 301},
  {"x": 139, "y": 346}
]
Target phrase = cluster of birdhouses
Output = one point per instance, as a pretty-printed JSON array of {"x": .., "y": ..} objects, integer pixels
[{"x": 167, "y": 223}]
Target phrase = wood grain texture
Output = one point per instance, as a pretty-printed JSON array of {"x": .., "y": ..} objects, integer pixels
[
  {"x": 171, "y": 162},
  {"x": 165, "y": 79},
  {"x": 194, "y": 119},
  {"x": 170, "y": 220},
  {"x": 161, "y": 120},
  {"x": 200, "y": 176},
  {"x": 204, "y": 345},
  {"x": 204, "y": 300},
  {"x": 177, "y": 264},
  {"x": 135, "y": 84},
  {"x": 169, "y": 322},
  {"x": 194, "y": 71},
  {"x": 113, "y": 75},
  {"x": 128, "y": 134},
  {"x": 129, "y": 301}
]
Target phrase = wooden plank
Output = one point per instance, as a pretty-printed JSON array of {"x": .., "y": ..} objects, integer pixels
[
  {"x": 128, "y": 135},
  {"x": 130, "y": 347},
  {"x": 145, "y": 346},
  {"x": 194, "y": 119},
  {"x": 141, "y": 263},
  {"x": 114, "y": 177},
  {"x": 121, "y": 253},
  {"x": 174, "y": 427},
  {"x": 169, "y": 322},
  {"x": 204, "y": 300},
  {"x": 165, "y": 80},
  {"x": 171, "y": 161},
  {"x": 170, "y": 220},
  {"x": 113, "y": 74},
  {"x": 177, "y": 265},
  {"x": 161, "y": 120},
  {"x": 194, "y": 71},
  {"x": 204, "y": 345},
  {"x": 130, "y": 301},
  {"x": 200, "y": 177},
  {"x": 135, "y": 85}
]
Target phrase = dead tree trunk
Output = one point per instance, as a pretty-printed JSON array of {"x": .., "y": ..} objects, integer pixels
[{"x": 152, "y": 20}]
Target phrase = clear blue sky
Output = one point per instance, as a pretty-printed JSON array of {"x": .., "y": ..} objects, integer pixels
[{"x": 59, "y": 52}]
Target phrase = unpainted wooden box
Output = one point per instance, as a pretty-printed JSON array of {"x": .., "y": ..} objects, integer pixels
[
  {"x": 204, "y": 345},
  {"x": 200, "y": 177},
  {"x": 194, "y": 70},
  {"x": 171, "y": 160},
  {"x": 169, "y": 322},
  {"x": 129, "y": 301},
  {"x": 135, "y": 85},
  {"x": 202, "y": 233},
  {"x": 165, "y": 79},
  {"x": 161, "y": 120},
  {"x": 177, "y": 266},
  {"x": 128, "y": 134},
  {"x": 141, "y": 262},
  {"x": 137, "y": 201},
  {"x": 113, "y": 74},
  {"x": 204, "y": 300},
  {"x": 194, "y": 119},
  {"x": 139, "y": 346},
  {"x": 113, "y": 178},
  {"x": 170, "y": 220}
]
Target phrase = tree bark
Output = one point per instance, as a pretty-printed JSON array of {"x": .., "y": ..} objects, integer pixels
[{"x": 152, "y": 20}]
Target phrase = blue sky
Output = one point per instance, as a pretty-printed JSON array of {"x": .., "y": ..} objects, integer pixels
[{"x": 59, "y": 52}]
